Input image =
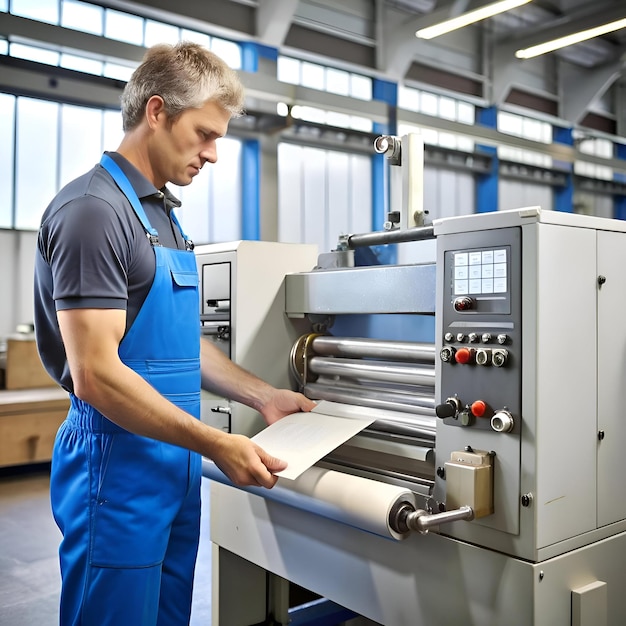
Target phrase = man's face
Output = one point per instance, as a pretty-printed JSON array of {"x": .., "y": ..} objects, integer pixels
[{"x": 185, "y": 145}]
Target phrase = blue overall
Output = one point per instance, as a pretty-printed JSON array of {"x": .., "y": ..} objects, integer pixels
[{"x": 129, "y": 506}]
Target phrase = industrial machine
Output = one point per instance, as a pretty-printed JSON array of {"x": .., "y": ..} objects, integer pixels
[{"x": 488, "y": 489}]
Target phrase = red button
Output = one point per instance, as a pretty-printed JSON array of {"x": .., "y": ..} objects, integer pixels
[
  {"x": 478, "y": 408},
  {"x": 463, "y": 304},
  {"x": 464, "y": 355}
]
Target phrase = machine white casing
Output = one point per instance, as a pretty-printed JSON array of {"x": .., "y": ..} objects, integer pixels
[
  {"x": 247, "y": 278},
  {"x": 559, "y": 560}
]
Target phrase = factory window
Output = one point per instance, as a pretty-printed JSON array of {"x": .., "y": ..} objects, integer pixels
[
  {"x": 211, "y": 206},
  {"x": 313, "y": 75},
  {"x": 34, "y": 53},
  {"x": 36, "y": 134},
  {"x": 331, "y": 80},
  {"x": 322, "y": 194},
  {"x": 296, "y": 72},
  {"x": 595, "y": 146},
  {"x": 82, "y": 16},
  {"x": 433, "y": 137},
  {"x": 117, "y": 71},
  {"x": 81, "y": 64},
  {"x": 73, "y": 138},
  {"x": 158, "y": 32},
  {"x": 80, "y": 140},
  {"x": 40, "y": 10},
  {"x": 112, "y": 24},
  {"x": 530, "y": 157},
  {"x": 7, "y": 129},
  {"x": 337, "y": 81},
  {"x": 331, "y": 118},
  {"x": 123, "y": 27},
  {"x": 445, "y": 107},
  {"x": 526, "y": 128}
]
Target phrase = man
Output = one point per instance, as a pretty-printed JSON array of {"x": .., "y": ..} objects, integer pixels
[{"x": 116, "y": 316}]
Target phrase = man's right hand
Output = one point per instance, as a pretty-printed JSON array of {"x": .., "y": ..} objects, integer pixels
[{"x": 245, "y": 463}]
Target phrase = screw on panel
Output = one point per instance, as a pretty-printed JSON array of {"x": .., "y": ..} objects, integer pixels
[
  {"x": 527, "y": 499},
  {"x": 601, "y": 280},
  {"x": 441, "y": 472},
  {"x": 600, "y": 435},
  {"x": 541, "y": 575}
]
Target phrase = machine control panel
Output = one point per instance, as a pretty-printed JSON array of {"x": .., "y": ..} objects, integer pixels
[{"x": 478, "y": 346}]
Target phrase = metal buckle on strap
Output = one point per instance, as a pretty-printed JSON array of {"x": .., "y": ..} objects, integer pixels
[
  {"x": 153, "y": 239},
  {"x": 189, "y": 245}
]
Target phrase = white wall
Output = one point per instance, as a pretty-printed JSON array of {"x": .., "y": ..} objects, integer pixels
[
  {"x": 322, "y": 194},
  {"x": 447, "y": 193},
  {"x": 514, "y": 194},
  {"x": 17, "y": 260}
]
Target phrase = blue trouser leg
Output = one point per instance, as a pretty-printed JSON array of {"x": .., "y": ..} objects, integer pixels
[
  {"x": 180, "y": 558},
  {"x": 129, "y": 510}
]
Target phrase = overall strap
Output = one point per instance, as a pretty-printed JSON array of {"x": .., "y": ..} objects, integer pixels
[
  {"x": 127, "y": 189},
  {"x": 188, "y": 243}
]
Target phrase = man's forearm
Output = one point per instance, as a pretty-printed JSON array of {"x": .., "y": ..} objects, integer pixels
[{"x": 222, "y": 376}]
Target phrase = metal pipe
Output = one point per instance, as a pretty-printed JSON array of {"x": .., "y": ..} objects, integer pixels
[
  {"x": 353, "y": 368},
  {"x": 411, "y": 397},
  {"x": 390, "y": 236},
  {"x": 373, "y": 349},
  {"x": 418, "y": 395},
  {"x": 335, "y": 394},
  {"x": 405, "y": 518}
]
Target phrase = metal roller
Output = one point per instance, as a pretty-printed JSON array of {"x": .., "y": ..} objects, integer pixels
[
  {"x": 366, "y": 398},
  {"x": 369, "y": 348},
  {"x": 387, "y": 372}
]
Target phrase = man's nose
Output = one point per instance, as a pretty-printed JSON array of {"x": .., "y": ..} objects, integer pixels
[{"x": 209, "y": 154}]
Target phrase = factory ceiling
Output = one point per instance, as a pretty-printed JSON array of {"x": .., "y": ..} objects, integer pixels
[
  {"x": 477, "y": 61},
  {"x": 583, "y": 84}
]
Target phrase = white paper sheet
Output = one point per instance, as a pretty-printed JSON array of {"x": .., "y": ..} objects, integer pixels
[{"x": 302, "y": 439}]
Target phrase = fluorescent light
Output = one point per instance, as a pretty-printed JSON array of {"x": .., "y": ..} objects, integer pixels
[
  {"x": 470, "y": 17},
  {"x": 569, "y": 40}
]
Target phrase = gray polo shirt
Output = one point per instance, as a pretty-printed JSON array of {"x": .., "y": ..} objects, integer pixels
[{"x": 93, "y": 252}]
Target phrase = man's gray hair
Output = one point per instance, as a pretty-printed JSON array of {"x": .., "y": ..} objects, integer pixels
[{"x": 186, "y": 75}]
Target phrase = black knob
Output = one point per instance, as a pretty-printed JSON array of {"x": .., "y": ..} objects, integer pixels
[{"x": 447, "y": 409}]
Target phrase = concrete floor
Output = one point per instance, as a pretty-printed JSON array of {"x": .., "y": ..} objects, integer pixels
[{"x": 29, "y": 538}]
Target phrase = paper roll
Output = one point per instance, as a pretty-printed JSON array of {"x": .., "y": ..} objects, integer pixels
[{"x": 360, "y": 502}]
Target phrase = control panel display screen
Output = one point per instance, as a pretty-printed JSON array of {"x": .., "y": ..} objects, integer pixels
[{"x": 480, "y": 272}]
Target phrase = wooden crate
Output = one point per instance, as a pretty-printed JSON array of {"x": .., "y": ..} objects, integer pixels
[
  {"x": 23, "y": 368},
  {"x": 29, "y": 421}
]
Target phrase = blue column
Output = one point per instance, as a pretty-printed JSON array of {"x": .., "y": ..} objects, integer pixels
[
  {"x": 619, "y": 201},
  {"x": 564, "y": 196},
  {"x": 384, "y": 91},
  {"x": 251, "y": 52},
  {"x": 250, "y": 189},
  {"x": 487, "y": 184}
]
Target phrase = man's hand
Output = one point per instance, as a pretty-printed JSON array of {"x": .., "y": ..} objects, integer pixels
[
  {"x": 245, "y": 463},
  {"x": 283, "y": 402}
]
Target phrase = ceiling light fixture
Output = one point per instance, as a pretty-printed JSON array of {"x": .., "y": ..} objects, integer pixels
[
  {"x": 470, "y": 17},
  {"x": 569, "y": 40}
]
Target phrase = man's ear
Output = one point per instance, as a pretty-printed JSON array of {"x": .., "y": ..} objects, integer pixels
[{"x": 155, "y": 110}]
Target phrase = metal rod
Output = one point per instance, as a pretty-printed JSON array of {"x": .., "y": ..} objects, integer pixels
[
  {"x": 390, "y": 236},
  {"x": 353, "y": 368},
  {"x": 411, "y": 397},
  {"x": 371, "y": 348},
  {"x": 404, "y": 518},
  {"x": 422, "y": 521},
  {"x": 335, "y": 394}
]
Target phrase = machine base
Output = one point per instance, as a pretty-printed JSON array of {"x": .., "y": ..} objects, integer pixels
[{"x": 425, "y": 579}]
